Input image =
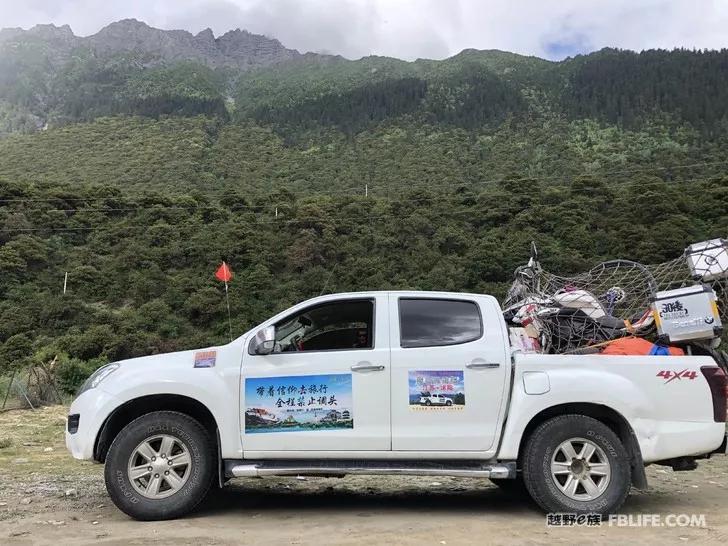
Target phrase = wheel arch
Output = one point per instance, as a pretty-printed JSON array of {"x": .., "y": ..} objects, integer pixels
[
  {"x": 606, "y": 415},
  {"x": 136, "y": 407}
]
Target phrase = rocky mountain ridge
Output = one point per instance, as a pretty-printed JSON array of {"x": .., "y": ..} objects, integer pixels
[{"x": 237, "y": 48}]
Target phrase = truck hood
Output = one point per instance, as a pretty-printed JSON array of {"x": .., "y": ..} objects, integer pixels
[{"x": 181, "y": 358}]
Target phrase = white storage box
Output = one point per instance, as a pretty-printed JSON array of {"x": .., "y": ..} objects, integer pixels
[
  {"x": 521, "y": 341},
  {"x": 687, "y": 314},
  {"x": 708, "y": 260}
]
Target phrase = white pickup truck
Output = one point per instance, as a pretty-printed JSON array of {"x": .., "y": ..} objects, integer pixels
[{"x": 334, "y": 386}]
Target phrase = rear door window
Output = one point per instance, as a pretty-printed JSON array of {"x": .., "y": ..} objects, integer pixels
[{"x": 436, "y": 322}]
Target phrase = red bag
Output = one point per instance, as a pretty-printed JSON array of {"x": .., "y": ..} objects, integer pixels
[{"x": 635, "y": 346}]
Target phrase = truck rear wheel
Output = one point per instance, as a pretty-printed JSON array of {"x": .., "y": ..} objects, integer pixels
[
  {"x": 160, "y": 466},
  {"x": 576, "y": 464}
]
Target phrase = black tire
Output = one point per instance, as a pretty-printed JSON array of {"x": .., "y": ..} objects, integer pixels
[
  {"x": 203, "y": 466},
  {"x": 428, "y": 403},
  {"x": 540, "y": 449},
  {"x": 448, "y": 403}
]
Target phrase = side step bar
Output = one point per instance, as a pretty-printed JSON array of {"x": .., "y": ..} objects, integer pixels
[{"x": 254, "y": 469}]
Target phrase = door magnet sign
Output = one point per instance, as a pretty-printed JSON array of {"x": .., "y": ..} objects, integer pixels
[{"x": 436, "y": 389}]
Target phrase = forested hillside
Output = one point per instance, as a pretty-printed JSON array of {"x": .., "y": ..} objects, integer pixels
[{"x": 137, "y": 171}]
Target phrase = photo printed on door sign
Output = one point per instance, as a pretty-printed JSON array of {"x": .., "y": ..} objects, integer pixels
[
  {"x": 436, "y": 389},
  {"x": 300, "y": 403}
]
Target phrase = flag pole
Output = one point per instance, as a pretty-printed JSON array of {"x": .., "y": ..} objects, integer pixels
[
  {"x": 224, "y": 274},
  {"x": 230, "y": 322}
]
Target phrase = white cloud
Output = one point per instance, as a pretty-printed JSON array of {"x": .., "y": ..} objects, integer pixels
[{"x": 411, "y": 28}]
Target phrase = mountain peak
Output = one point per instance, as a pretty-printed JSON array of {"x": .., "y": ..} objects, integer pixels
[
  {"x": 237, "y": 48},
  {"x": 51, "y": 31},
  {"x": 206, "y": 35},
  {"x": 51, "y": 28},
  {"x": 243, "y": 46},
  {"x": 129, "y": 24}
]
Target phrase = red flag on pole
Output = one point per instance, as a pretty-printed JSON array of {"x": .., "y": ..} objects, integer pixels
[{"x": 224, "y": 273}]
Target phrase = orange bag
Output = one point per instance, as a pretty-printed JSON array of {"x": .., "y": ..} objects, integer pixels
[{"x": 635, "y": 346}]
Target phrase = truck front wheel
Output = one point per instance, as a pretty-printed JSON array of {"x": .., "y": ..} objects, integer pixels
[
  {"x": 576, "y": 464},
  {"x": 160, "y": 466}
]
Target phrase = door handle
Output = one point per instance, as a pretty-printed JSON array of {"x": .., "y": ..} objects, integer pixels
[
  {"x": 367, "y": 367},
  {"x": 480, "y": 365}
]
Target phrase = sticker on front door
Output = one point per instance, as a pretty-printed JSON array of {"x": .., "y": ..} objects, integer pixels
[
  {"x": 436, "y": 389},
  {"x": 299, "y": 403}
]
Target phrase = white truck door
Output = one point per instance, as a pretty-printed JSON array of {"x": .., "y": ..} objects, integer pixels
[
  {"x": 326, "y": 385},
  {"x": 448, "y": 372}
]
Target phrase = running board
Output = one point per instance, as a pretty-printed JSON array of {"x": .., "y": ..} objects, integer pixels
[{"x": 256, "y": 469}]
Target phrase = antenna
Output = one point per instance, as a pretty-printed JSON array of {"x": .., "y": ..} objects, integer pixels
[{"x": 327, "y": 280}]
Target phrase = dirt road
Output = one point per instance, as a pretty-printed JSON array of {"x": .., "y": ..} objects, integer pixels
[{"x": 47, "y": 498}]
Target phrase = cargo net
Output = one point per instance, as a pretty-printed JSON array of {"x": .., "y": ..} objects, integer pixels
[{"x": 582, "y": 313}]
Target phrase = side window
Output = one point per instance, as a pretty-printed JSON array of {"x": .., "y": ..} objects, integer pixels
[
  {"x": 347, "y": 324},
  {"x": 433, "y": 322}
]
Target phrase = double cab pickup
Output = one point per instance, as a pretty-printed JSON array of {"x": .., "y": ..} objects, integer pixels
[{"x": 414, "y": 383}]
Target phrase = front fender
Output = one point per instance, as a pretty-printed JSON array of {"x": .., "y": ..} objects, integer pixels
[{"x": 216, "y": 387}]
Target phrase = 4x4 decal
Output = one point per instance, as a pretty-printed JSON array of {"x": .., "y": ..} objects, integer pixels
[{"x": 669, "y": 375}]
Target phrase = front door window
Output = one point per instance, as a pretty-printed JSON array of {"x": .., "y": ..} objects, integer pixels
[{"x": 329, "y": 327}]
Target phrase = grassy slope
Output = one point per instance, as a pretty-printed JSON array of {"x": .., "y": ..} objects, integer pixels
[{"x": 30, "y": 433}]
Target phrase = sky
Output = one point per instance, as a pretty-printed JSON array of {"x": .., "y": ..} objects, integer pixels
[{"x": 410, "y": 29}]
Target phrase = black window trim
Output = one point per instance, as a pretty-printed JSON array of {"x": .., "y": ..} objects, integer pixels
[
  {"x": 373, "y": 301},
  {"x": 430, "y": 298}
]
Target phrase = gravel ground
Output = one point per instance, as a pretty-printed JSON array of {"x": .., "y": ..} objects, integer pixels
[{"x": 48, "y": 498}]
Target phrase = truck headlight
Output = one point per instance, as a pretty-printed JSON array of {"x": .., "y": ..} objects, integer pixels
[{"x": 97, "y": 377}]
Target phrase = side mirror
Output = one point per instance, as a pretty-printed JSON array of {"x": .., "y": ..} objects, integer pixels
[{"x": 265, "y": 340}]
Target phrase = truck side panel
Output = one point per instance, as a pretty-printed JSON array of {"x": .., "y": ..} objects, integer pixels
[{"x": 666, "y": 400}]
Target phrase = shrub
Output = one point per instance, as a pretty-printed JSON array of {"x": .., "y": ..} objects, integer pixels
[{"x": 73, "y": 372}]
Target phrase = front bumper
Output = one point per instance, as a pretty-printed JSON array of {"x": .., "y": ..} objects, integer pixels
[{"x": 92, "y": 409}]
